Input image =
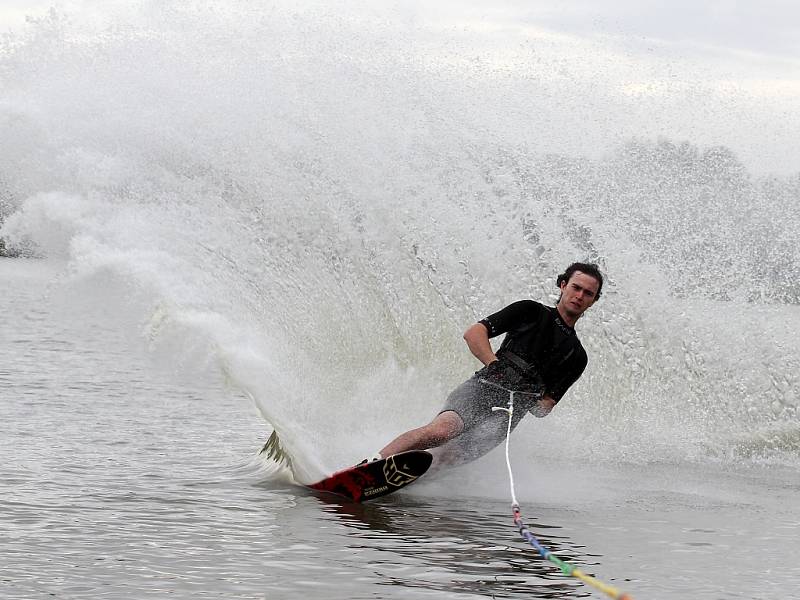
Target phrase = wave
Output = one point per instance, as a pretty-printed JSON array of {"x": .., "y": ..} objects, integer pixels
[{"x": 323, "y": 201}]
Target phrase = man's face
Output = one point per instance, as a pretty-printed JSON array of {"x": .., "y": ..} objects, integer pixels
[{"x": 578, "y": 294}]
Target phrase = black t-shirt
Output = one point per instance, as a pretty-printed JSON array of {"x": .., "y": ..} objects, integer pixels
[{"x": 537, "y": 334}]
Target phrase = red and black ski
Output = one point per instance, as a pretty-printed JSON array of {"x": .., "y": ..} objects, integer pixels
[{"x": 378, "y": 478}]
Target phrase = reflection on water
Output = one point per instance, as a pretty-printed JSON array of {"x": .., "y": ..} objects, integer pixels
[{"x": 458, "y": 549}]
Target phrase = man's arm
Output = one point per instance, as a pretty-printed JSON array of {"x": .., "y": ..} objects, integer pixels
[
  {"x": 477, "y": 338},
  {"x": 570, "y": 376}
]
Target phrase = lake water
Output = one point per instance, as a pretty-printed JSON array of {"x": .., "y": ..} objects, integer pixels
[{"x": 121, "y": 477}]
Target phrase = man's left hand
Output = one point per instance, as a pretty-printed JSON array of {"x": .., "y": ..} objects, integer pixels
[{"x": 543, "y": 407}]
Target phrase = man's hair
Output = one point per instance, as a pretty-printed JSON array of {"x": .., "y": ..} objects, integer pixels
[{"x": 590, "y": 269}]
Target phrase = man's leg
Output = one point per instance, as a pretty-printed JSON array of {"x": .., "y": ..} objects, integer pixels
[{"x": 443, "y": 428}]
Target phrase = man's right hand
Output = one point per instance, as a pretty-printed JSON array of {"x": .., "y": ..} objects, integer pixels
[{"x": 494, "y": 371}]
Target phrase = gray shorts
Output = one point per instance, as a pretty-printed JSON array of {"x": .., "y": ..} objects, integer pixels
[
  {"x": 474, "y": 399},
  {"x": 484, "y": 429}
]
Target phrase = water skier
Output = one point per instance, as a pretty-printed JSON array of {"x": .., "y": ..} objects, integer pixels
[{"x": 539, "y": 359}]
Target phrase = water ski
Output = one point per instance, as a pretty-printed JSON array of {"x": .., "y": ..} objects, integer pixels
[{"x": 378, "y": 478}]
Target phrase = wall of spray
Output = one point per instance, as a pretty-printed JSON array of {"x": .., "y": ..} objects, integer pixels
[{"x": 322, "y": 200}]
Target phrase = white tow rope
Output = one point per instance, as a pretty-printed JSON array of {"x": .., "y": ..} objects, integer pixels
[
  {"x": 510, "y": 411},
  {"x": 566, "y": 568}
]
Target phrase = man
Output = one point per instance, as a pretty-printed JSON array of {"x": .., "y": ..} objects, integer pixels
[{"x": 539, "y": 359}]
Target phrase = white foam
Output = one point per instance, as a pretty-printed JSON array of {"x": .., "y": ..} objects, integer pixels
[{"x": 319, "y": 202}]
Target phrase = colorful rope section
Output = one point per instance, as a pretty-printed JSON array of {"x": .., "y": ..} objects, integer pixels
[{"x": 566, "y": 568}]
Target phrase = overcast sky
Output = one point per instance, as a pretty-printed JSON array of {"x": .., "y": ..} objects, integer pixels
[
  {"x": 748, "y": 48},
  {"x": 765, "y": 26}
]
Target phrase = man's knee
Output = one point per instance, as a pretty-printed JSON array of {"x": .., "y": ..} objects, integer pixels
[{"x": 447, "y": 425}]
